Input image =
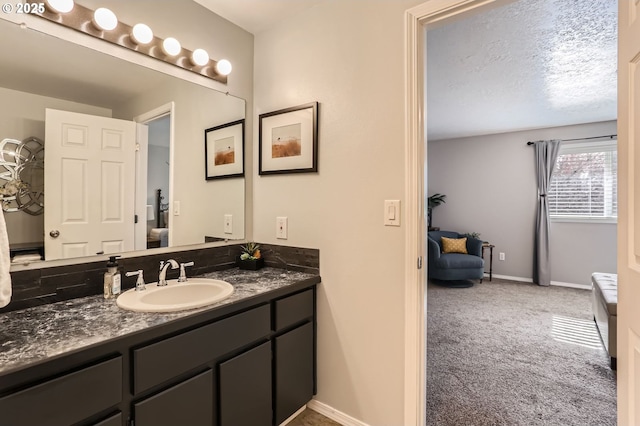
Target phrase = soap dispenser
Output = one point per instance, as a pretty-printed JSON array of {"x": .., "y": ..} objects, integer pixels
[{"x": 112, "y": 278}]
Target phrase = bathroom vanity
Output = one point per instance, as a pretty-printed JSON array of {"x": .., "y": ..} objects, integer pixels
[{"x": 247, "y": 360}]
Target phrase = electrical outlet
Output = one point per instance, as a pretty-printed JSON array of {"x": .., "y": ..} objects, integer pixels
[
  {"x": 228, "y": 224},
  {"x": 501, "y": 256},
  {"x": 281, "y": 228}
]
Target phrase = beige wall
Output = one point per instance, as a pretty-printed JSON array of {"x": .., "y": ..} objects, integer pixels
[
  {"x": 348, "y": 56},
  {"x": 21, "y": 116},
  {"x": 491, "y": 188}
]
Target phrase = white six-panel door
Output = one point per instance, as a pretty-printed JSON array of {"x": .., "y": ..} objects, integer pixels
[
  {"x": 90, "y": 185},
  {"x": 628, "y": 332}
]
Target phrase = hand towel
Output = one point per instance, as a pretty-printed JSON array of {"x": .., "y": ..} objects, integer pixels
[{"x": 5, "y": 264}]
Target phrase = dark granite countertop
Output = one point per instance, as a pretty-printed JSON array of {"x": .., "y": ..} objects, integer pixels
[{"x": 35, "y": 334}]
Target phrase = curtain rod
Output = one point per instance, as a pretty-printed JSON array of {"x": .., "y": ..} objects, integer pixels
[{"x": 582, "y": 139}]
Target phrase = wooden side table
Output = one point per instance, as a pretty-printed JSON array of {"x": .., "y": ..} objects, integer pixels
[{"x": 486, "y": 245}]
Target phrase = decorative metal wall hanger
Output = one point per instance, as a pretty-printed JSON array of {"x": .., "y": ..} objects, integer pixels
[{"x": 22, "y": 175}]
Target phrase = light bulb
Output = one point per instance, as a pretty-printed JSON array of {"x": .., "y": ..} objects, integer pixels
[
  {"x": 105, "y": 19},
  {"x": 60, "y": 6},
  {"x": 142, "y": 34},
  {"x": 224, "y": 67},
  {"x": 200, "y": 57},
  {"x": 171, "y": 46}
]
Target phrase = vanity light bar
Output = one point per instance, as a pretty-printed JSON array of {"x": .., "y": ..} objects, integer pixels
[
  {"x": 104, "y": 19},
  {"x": 171, "y": 46},
  {"x": 103, "y": 24},
  {"x": 60, "y": 6},
  {"x": 224, "y": 67},
  {"x": 200, "y": 57},
  {"x": 142, "y": 34}
]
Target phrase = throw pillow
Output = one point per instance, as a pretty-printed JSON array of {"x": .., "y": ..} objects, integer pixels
[{"x": 454, "y": 245}]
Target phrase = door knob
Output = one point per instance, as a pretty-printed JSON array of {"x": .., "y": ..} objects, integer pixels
[{"x": 54, "y": 234}]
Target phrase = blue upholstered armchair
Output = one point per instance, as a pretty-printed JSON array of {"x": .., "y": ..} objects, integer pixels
[{"x": 454, "y": 266}]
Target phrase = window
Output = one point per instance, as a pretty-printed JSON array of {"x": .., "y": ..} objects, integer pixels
[{"x": 584, "y": 184}]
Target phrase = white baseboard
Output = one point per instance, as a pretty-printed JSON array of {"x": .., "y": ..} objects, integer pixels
[
  {"x": 554, "y": 283},
  {"x": 572, "y": 285},
  {"x": 333, "y": 414},
  {"x": 510, "y": 278}
]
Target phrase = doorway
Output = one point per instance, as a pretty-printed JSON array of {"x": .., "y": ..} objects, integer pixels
[
  {"x": 417, "y": 20},
  {"x": 158, "y": 170},
  {"x": 154, "y": 176}
]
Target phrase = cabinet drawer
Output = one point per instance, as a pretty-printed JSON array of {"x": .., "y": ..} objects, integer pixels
[
  {"x": 156, "y": 363},
  {"x": 293, "y": 309},
  {"x": 67, "y": 399}
]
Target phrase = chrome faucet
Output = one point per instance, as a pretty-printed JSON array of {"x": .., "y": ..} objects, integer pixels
[
  {"x": 140, "y": 281},
  {"x": 183, "y": 275},
  {"x": 162, "y": 281}
]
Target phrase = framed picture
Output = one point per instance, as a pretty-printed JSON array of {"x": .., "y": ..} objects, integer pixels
[
  {"x": 288, "y": 140},
  {"x": 224, "y": 151}
]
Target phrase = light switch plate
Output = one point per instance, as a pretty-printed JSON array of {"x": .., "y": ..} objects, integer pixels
[
  {"x": 392, "y": 212},
  {"x": 176, "y": 208},
  {"x": 281, "y": 228},
  {"x": 228, "y": 224}
]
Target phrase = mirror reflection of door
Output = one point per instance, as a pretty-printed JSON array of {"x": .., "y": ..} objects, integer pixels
[
  {"x": 89, "y": 180},
  {"x": 158, "y": 166}
]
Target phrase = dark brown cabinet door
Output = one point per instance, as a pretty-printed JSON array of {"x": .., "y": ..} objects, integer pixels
[
  {"x": 245, "y": 388},
  {"x": 188, "y": 403},
  {"x": 293, "y": 371}
]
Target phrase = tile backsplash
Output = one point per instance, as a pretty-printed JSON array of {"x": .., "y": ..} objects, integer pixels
[{"x": 52, "y": 284}]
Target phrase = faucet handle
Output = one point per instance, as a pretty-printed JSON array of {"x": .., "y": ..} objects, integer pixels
[
  {"x": 140, "y": 281},
  {"x": 183, "y": 275}
]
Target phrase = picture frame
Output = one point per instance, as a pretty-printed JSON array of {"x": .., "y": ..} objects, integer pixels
[
  {"x": 224, "y": 151},
  {"x": 288, "y": 140}
]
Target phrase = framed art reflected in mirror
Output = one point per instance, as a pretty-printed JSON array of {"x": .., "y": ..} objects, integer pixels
[{"x": 224, "y": 151}]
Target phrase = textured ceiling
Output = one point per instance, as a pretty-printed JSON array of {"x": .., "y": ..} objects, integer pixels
[{"x": 529, "y": 64}]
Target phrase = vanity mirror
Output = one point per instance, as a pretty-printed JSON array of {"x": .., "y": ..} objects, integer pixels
[{"x": 43, "y": 76}]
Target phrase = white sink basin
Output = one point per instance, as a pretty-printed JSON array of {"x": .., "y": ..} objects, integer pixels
[{"x": 175, "y": 296}]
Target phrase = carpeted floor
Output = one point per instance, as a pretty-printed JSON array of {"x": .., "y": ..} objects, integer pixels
[{"x": 509, "y": 353}]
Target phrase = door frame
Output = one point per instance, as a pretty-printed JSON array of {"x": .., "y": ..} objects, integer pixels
[
  {"x": 141, "y": 193},
  {"x": 416, "y": 20}
]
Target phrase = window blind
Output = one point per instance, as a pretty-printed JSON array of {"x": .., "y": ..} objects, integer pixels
[{"x": 584, "y": 183}]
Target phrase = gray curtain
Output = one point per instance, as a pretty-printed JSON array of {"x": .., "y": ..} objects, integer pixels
[{"x": 546, "y": 155}]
